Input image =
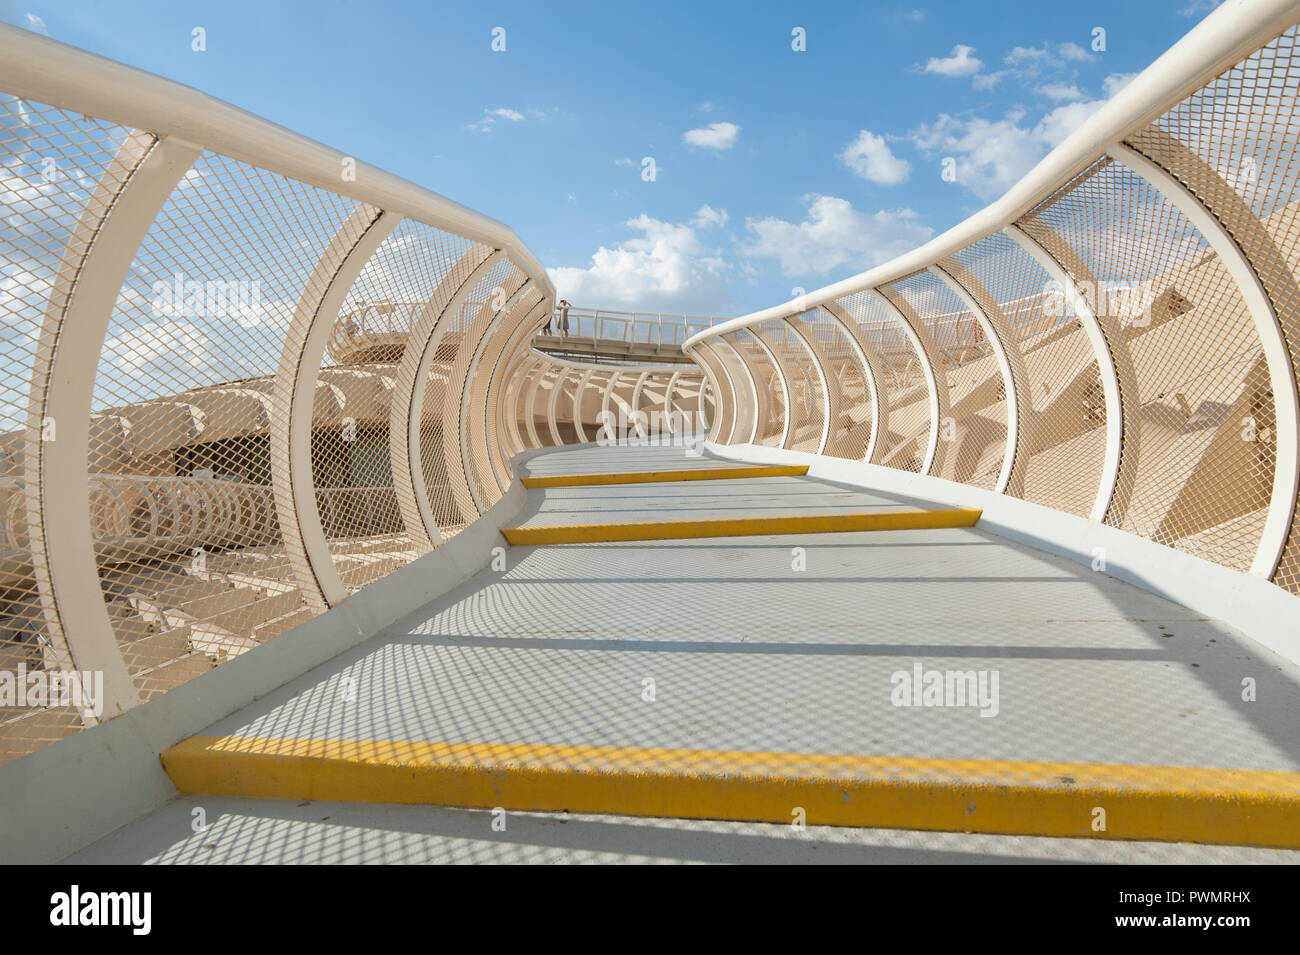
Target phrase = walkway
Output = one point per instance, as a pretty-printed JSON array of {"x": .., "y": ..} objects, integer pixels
[{"x": 759, "y": 677}]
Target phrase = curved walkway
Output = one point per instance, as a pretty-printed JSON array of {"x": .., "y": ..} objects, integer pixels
[{"x": 753, "y": 677}]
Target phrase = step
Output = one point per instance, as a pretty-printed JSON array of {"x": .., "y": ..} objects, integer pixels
[
  {"x": 653, "y": 477},
  {"x": 1165, "y": 803},
  {"x": 878, "y": 520}
]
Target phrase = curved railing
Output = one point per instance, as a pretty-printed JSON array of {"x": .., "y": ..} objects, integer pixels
[
  {"x": 552, "y": 401},
  {"x": 197, "y": 452},
  {"x": 1117, "y": 337},
  {"x": 649, "y": 328},
  {"x": 215, "y": 424}
]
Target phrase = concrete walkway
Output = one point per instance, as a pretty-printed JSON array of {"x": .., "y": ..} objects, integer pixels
[
  {"x": 299, "y": 832},
  {"x": 734, "y": 660}
]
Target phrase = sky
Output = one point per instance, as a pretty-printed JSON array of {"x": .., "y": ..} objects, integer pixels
[{"x": 699, "y": 158}]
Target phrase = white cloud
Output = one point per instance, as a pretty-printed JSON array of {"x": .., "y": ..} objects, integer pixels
[
  {"x": 1198, "y": 8},
  {"x": 624, "y": 161},
  {"x": 707, "y": 216},
  {"x": 36, "y": 24},
  {"x": 992, "y": 155},
  {"x": 666, "y": 267},
  {"x": 959, "y": 62},
  {"x": 705, "y": 107},
  {"x": 1060, "y": 91},
  {"x": 1072, "y": 51},
  {"x": 834, "y": 234},
  {"x": 491, "y": 116},
  {"x": 1116, "y": 82},
  {"x": 869, "y": 156},
  {"x": 1064, "y": 120},
  {"x": 1022, "y": 56},
  {"x": 1042, "y": 68},
  {"x": 986, "y": 81},
  {"x": 713, "y": 136}
]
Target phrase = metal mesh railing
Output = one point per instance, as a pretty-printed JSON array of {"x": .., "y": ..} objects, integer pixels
[
  {"x": 1117, "y": 338},
  {"x": 609, "y": 325},
  {"x": 632, "y": 403},
  {"x": 269, "y": 369},
  {"x": 243, "y": 381}
]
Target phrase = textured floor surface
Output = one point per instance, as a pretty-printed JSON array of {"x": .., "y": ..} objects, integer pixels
[
  {"x": 275, "y": 831},
  {"x": 782, "y": 643}
]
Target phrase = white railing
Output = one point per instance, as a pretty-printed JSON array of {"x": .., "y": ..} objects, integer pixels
[
  {"x": 185, "y": 470},
  {"x": 1171, "y": 415},
  {"x": 609, "y": 325}
]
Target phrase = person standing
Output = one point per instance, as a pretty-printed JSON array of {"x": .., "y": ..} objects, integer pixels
[{"x": 564, "y": 318}]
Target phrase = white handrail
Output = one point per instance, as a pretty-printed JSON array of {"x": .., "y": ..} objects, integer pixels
[
  {"x": 46, "y": 71},
  {"x": 1231, "y": 32}
]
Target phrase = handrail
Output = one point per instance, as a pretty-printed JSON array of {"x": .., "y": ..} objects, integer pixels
[
  {"x": 37, "y": 68},
  {"x": 1195, "y": 153},
  {"x": 1230, "y": 32},
  {"x": 654, "y": 324},
  {"x": 339, "y": 475}
]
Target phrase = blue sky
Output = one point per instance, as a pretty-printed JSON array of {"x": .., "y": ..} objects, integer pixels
[{"x": 774, "y": 168}]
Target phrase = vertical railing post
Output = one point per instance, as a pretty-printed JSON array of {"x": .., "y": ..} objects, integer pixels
[{"x": 56, "y": 476}]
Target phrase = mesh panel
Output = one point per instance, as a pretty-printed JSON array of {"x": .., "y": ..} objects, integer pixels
[
  {"x": 683, "y": 398},
  {"x": 976, "y": 440},
  {"x": 707, "y": 405},
  {"x": 445, "y": 474},
  {"x": 1067, "y": 438},
  {"x": 500, "y": 355},
  {"x": 726, "y": 409},
  {"x": 546, "y": 386},
  {"x": 620, "y": 401},
  {"x": 791, "y": 360},
  {"x": 903, "y": 445},
  {"x": 1243, "y": 129},
  {"x": 745, "y": 412},
  {"x": 50, "y": 164},
  {"x": 591, "y": 403},
  {"x": 486, "y": 466},
  {"x": 351, "y": 461},
  {"x": 564, "y": 407},
  {"x": 505, "y": 406},
  {"x": 850, "y": 399},
  {"x": 182, "y": 397},
  {"x": 1199, "y": 487},
  {"x": 645, "y": 403},
  {"x": 533, "y": 371},
  {"x": 810, "y": 393},
  {"x": 771, "y": 394}
]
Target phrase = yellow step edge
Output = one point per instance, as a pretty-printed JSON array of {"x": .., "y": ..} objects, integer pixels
[
  {"x": 654, "y": 477},
  {"x": 890, "y": 520},
  {"x": 1009, "y": 797}
]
